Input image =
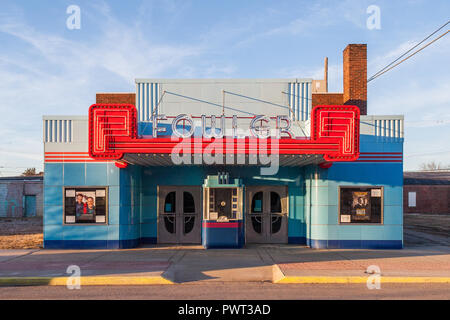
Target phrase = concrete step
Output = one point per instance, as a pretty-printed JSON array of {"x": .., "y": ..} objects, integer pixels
[{"x": 220, "y": 265}]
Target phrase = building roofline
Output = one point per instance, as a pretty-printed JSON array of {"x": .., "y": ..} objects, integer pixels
[{"x": 219, "y": 80}]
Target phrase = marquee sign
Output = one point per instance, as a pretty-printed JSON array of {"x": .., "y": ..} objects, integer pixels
[{"x": 113, "y": 133}]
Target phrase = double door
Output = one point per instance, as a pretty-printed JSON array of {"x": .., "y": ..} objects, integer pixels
[
  {"x": 179, "y": 214},
  {"x": 266, "y": 214}
]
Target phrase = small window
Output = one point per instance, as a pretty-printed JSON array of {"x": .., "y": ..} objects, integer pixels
[
  {"x": 169, "y": 203},
  {"x": 275, "y": 224},
  {"x": 188, "y": 203},
  {"x": 85, "y": 205},
  {"x": 275, "y": 202},
  {"x": 411, "y": 199},
  {"x": 257, "y": 202}
]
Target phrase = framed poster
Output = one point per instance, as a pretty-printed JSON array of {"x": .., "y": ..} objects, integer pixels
[
  {"x": 360, "y": 204},
  {"x": 85, "y": 205}
]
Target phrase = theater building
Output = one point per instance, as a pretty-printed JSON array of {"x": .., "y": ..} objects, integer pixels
[{"x": 225, "y": 163}]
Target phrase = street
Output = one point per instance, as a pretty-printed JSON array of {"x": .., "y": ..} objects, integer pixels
[{"x": 235, "y": 291}]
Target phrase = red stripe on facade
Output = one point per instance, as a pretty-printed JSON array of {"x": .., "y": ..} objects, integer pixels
[
  {"x": 378, "y": 160},
  {"x": 380, "y": 157},
  {"x": 80, "y": 160},
  {"x": 66, "y": 153},
  {"x": 381, "y": 152},
  {"x": 68, "y": 157},
  {"x": 221, "y": 224}
]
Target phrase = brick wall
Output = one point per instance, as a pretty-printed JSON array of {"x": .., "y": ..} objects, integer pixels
[
  {"x": 116, "y": 98},
  {"x": 327, "y": 99},
  {"x": 355, "y": 81},
  {"x": 355, "y": 76},
  {"x": 429, "y": 198}
]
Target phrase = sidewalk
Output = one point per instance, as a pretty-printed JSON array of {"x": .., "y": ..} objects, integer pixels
[{"x": 192, "y": 264}]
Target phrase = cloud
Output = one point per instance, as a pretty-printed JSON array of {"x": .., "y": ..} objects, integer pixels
[
  {"x": 311, "y": 18},
  {"x": 51, "y": 74}
]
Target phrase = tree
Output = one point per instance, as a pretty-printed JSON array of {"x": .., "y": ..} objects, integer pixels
[
  {"x": 31, "y": 172},
  {"x": 432, "y": 165}
]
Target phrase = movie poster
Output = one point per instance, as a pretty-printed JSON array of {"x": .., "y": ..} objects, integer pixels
[
  {"x": 85, "y": 205},
  {"x": 361, "y": 205}
]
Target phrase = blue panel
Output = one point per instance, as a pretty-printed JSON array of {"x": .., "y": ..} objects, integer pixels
[
  {"x": 113, "y": 196},
  {"x": 74, "y": 233},
  {"x": 74, "y": 174},
  {"x": 393, "y": 215},
  {"x": 130, "y": 231},
  {"x": 112, "y": 174},
  {"x": 225, "y": 237},
  {"x": 149, "y": 229},
  {"x": 53, "y": 215},
  {"x": 113, "y": 214},
  {"x": 325, "y": 232},
  {"x": 53, "y": 232},
  {"x": 96, "y": 232},
  {"x": 372, "y": 232},
  {"x": 350, "y": 232},
  {"x": 125, "y": 215},
  {"x": 53, "y": 196},
  {"x": 393, "y": 196},
  {"x": 53, "y": 174},
  {"x": 96, "y": 174},
  {"x": 355, "y": 244},
  {"x": 94, "y": 244},
  {"x": 324, "y": 214},
  {"x": 113, "y": 232},
  {"x": 393, "y": 232},
  {"x": 296, "y": 228}
]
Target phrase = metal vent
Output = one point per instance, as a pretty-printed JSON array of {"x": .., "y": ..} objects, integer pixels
[
  {"x": 58, "y": 130},
  {"x": 146, "y": 99}
]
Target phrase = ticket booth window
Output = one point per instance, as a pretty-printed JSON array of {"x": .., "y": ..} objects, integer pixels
[{"x": 224, "y": 204}]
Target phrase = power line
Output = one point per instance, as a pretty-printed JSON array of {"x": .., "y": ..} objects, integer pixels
[
  {"x": 411, "y": 48},
  {"x": 388, "y": 67}
]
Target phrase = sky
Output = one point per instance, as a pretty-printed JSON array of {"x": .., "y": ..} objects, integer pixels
[{"x": 48, "y": 69}]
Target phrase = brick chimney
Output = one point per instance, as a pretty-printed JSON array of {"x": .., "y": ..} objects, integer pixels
[
  {"x": 123, "y": 97},
  {"x": 355, "y": 76}
]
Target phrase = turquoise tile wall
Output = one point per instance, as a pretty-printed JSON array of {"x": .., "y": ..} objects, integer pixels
[{"x": 313, "y": 194}]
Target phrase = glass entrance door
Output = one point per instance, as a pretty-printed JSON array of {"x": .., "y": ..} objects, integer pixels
[
  {"x": 266, "y": 214},
  {"x": 179, "y": 218}
]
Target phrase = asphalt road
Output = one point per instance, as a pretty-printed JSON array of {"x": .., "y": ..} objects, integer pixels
[{"x": 233, "y": 291}]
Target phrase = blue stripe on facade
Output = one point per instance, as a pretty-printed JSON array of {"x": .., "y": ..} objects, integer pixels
[
  {"x": 355, "y": 244},
  {"x": 97, "y": 244},
  {"x": 297, "y": 240}
]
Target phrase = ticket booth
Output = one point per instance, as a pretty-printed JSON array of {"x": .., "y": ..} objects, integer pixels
[{"x": 223, "y": 225}]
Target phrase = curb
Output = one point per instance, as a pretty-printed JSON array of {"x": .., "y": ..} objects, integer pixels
[
  {"x": 84, "y": 281},
  {"x": 337, "y": 280}
]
